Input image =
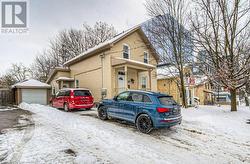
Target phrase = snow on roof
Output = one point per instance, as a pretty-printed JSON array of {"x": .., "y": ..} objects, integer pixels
[
  {"x": 115, "y": 38},
  {"x": 166, "y": 72},
  {"x": 31, "y": 83},
  {"x": 135, "y": 62},
  {"x": 65, "y": 79},
  {"x": 200, "y": 79}
]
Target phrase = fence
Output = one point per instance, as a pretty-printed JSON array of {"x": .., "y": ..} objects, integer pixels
[{"x": 6, "y": 97}]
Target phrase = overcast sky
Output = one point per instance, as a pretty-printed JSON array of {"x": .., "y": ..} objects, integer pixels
[{"x": 47, "y": 17}]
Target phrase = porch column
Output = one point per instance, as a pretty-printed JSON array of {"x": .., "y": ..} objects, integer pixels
[
  {"x": 126, "y": 77},
  {"x": 150, "y": 80}
]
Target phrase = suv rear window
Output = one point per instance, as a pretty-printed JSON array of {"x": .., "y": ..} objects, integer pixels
[
  {"x": 167, "y": 100},
  {"x": 82, "y": 93}
]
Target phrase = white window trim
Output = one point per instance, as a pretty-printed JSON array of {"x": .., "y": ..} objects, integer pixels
[
  {"x": 147, "y": 56},
  {"x": 141, "y": 81},
  {"x": 124, "y": 44}
]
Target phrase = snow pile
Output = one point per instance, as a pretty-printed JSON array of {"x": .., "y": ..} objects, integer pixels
[{"x": 207, "y": 135}]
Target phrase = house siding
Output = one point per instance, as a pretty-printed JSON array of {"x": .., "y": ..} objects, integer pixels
[
  {"x": 89, "y": 71},
  {"x": 137, "y": 48},
  {"x": 169, "y": 87},
  {"x": 53, "y": 82}
]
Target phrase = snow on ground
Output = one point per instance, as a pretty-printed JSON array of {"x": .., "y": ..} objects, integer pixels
[{"x": 207, "y": 135}]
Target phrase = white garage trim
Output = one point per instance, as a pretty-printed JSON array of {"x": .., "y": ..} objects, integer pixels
[{"x": 34, "y": 96}]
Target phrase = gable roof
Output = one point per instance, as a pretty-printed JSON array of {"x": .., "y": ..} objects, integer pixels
[
  {"x": 55, "y": 70},
  {"x": 109, "y": 43},
  {"x": 31, "y": 83}
]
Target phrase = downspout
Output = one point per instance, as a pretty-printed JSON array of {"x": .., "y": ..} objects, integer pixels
[{"x": 102, "y": 56}]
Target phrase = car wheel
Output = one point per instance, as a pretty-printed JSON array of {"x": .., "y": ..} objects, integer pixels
[
  {"x": 102, "y": 113},
  {"x": 144, "y": 123},
  {"x": 88, "y": 109},
  {"x": 66, "y": 107}
]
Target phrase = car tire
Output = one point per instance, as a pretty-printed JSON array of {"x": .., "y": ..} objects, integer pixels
[
  {"x": 102, "y": 113},
  {"x": 88, "y": 109},
  {"x": 144, "y": 123},
  {"x": 66, "y": 107}
]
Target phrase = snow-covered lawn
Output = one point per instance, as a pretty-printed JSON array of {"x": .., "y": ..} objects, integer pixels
[{"x": 206, "y": 135}]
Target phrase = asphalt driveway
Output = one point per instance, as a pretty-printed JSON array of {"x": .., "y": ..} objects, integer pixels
[{"x": 9, "y": 116}]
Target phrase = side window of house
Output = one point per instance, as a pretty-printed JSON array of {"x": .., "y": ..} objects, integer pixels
[
  {"x": 77, "y": 83},
  {"x": 126, "y": 51},
  {"x": 146, "y": 57},
  {"x": 123, "y": 96}
]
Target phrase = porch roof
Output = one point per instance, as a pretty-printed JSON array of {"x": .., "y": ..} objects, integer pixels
[
  {"x": 65, "y": 79},
  {"x": 121, "y": 61}
]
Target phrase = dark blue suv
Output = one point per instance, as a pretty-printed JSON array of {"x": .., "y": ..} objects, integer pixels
[{"x": 147, "y": 110}]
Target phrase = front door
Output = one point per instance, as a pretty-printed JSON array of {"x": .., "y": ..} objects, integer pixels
[{"x": 121, "y": 81}]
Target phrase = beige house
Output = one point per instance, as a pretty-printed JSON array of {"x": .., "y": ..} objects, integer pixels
[
  {"x": 127, "y": 61},
  {"x": 197, "y": 88}
]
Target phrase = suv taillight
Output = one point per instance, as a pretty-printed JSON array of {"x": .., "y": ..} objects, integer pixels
[{"x": 163, "y": 110}]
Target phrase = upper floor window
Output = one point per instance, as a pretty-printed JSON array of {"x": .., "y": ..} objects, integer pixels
[
  {"x": 146, "y": 57},
  {"x": 126, "y": 51}
]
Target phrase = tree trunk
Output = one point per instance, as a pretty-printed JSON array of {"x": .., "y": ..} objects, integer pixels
[
  {"x": 183, "y": 91},
  {"x": 246, "y": 99},
  {"x": 233, "y": 100}
]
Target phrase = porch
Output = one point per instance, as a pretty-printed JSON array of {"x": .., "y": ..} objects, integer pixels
[
  {"x": 131, "y": 75},
  {"x": 63, "y": 82}
]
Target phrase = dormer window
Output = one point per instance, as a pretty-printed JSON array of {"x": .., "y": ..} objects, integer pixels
[
  {"x": 126, "y": 51},
  {"x": 146, "y": 57}
]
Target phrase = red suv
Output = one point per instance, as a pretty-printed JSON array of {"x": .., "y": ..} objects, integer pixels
[{"x": 73, "y": 99}]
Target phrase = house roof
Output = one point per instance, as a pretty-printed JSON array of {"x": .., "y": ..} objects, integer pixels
[
  {"x": 55, "y": 70},
  {"x": 165, "y": 72},
  {"x": 109, "y": 43},
  {"x": 31, "y": 83}
]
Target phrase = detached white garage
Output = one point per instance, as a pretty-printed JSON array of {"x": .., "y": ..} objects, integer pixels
[{"x": 32, "y": 92}]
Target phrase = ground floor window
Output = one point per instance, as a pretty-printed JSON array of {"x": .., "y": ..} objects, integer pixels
[
  {"x": 143, "y": 82},
  {"x": 77, "y": 83}
]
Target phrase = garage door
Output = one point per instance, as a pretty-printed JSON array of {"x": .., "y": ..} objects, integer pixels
[{"x": 35, "y": 96}]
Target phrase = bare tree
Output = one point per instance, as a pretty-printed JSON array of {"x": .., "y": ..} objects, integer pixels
[
  {"x": 17, "y": 73},
  {"x": 68, "y": 44},
  {"x": 72, "y": 42},
  {"x": 101, "y": 32},
  {"x": 221, "y": 28},
  {"x": 168, "y": 34},
  {"x": 42, "y": 66}
]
